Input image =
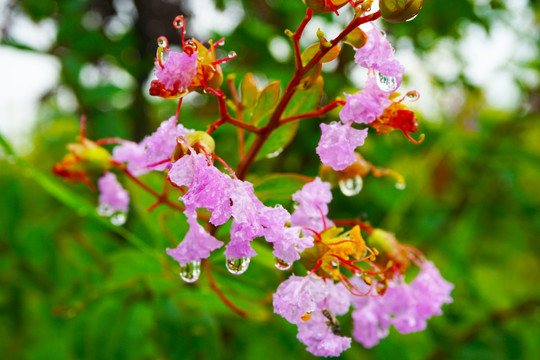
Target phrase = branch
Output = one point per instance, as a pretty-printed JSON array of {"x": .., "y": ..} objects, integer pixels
[
  {"x": 207, "y": 268},
  {"x": 316, "y": 113},
  {"x": 299, "y": 73}
]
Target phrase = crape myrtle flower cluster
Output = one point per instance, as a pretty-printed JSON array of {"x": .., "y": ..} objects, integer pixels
[{"x": 343, "y": 271}]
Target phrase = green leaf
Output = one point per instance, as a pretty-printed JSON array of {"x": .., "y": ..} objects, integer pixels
[
  {"x": 305, "y": 100},
  {"x": 302, "y": 101},
  {"x": 312, "y": 50},
  {"x": 266, "y": 102},
  {"x": 356, "y": 38},
  {"x": 278, "y": 188},
  {"x": 250, "y": 91}
]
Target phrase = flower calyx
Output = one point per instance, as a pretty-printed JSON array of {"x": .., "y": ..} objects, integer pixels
[
  {"x": 198, "y": 141},
  {"x": 86, "y": 159},
  {"x": 325, "y": 6}
]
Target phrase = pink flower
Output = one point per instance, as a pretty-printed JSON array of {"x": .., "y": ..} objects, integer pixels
[
  {"x": 378, "y": 54},
  {"x": 297, "y": 296},
  {"x": 159, "y": 146},
  {"x": 113, "y": 197},
  {"x": 312, "y": 206},
  {"x": 364, "y": 107},
  {"x": 177, "y": 72},
  {"x": 225, "y": 197},
  {"x": 432, "y": 290},
  {"x": 337, "y": 144},
  {"x": 197, "y": 243},
  {"x": 288, "y": 242},
  {"x": 320, "y": 337}
]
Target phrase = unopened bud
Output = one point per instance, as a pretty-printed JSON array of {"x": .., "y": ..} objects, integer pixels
[
  {"x": 399, "y": 10},
  {"x": 323, "y": 6},
  {"x": 199, "y": 141}
]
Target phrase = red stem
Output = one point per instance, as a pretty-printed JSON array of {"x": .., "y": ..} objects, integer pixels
[
  {"x": 315, "y": 113},
  {"x": 213, "y": 285}
]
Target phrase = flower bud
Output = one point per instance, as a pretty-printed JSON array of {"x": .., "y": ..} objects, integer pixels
[
  {"x": 85, "y": 159},
  {"x": 198, "y": 141},
  {"x": 389, "y": 249},
  {"x": 399, "y": 10},
  {"x": 323, "y": 5}
]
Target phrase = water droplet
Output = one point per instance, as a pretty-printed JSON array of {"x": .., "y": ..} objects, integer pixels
[
  {"x": 238, "y": 266},
  {"x": 190, "y": 272},
  {"x": 232, "y": 53},
  {"x": 104, "y": 210},
  {"x": 162, "y": 41},
  {"x": 178, "y": 22},
  {"x": 282, "y": 264},
  {"x": 119, "y": 218},
  {"x": 400, "y": 186},
  {"x": 190, "y": 43},
  {"x": 351, "y": 186},
  {"x": 206, "y": 91},
  {"x": 413, "y": 95},
  {"x": 275, "y": 153},
  {"x": 386, "y": 83},
  {"x": 335, "y": 263},
  {"x": 411, "y": 19}
]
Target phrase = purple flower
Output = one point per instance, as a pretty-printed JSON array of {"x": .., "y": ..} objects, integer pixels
[
  {"x": 143, "y": 157},
  {"x": 177, "y": 72},
  {"x": 297, "y": 296},
  {"x": 320, "y": 338},
  {"x": 337, "y": 144},
  {"x": 312, "y": 206},
  {"x": 112, "y": 197},
  {"x": 288, "y": 242},
  {"x": 364, "y": 107},
  {"x": 197, "y": 243},
  {"x": 378, "y": 54},
  {"x": 431, "y": 289},
  {"x": 370, "y": 323}
]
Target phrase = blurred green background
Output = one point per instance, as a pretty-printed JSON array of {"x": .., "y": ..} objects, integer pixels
[{"x": 75, "y": 287}]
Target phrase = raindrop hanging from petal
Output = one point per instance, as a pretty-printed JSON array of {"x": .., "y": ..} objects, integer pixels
[
  {"x": 237, "y": 266},
  {"x": 282, "y": 264},
  {"x": 190, "y": 272},
  {"x": 386, "y": 83}
]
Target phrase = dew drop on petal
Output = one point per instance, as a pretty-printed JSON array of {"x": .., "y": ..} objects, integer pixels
[
  {"x": 386, "y": 83},
  {"x": 221, "y": 42},
  {"x": 119, "y": 218},
  {"x": 335, "y": 263},
  {"x": 237, "y": 266},
  {"x": 282, "y": 264},
  {"x": 190, "y": 272},
  {"x": 400, "y": 186},
  {"x": 232, "y": 53},
  {"x": 351, "y": 186},
  {"x": 104, "y": 210},
  {"x": 162, "y": 41}
]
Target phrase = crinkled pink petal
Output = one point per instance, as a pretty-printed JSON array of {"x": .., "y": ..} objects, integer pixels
[
  {"x": 197, "y": 243},
  {"x": 378, "y": 54},
  {"x": 134, "y": 155},
  {"x": 112, "y": 194},
  {"x": 153, "y": 149},
  {"x": 366, "y": 106},
  {"x": 319, "y": 338},
  {"x": 288, "y": 242},
  {"x": 312, "y": 207},
  {"x": 337, "y": 144},
  {"x": 177, "y": 72},
  {"x": 297, "y": 296},
  {"x": 431, "y": 289}
]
